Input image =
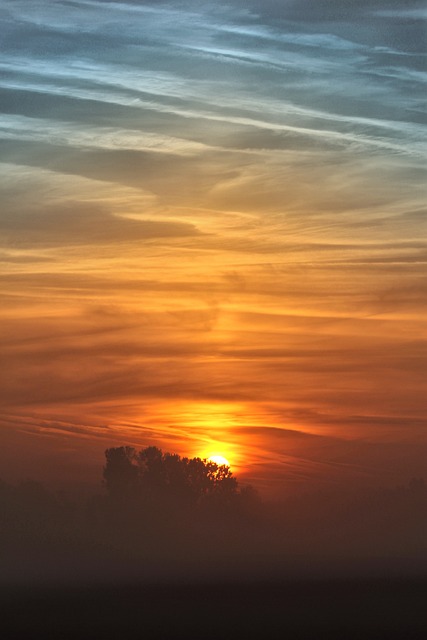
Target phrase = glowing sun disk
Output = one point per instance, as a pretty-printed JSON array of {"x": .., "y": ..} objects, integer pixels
[{"x": 219, "y": 460}]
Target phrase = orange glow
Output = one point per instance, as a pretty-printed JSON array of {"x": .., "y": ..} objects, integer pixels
[
  {"x": 243, "y": 279},
  {"x": 219, "y": 460},
  {"x": 214, "y": 429}
]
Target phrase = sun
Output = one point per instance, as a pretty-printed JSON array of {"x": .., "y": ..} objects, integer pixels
[{"x": 219, "y": 460}]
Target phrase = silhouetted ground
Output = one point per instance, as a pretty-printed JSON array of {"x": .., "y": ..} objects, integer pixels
[
  {"x": 347, "y": 567},
  {"x": 363, "y": 609}
]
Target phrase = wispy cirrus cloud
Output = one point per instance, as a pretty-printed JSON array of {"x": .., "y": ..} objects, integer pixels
[{"x": 215, "y": 209}]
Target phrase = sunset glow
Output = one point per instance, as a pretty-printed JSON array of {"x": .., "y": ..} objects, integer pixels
[
  {"x": 213, "y": 238},
  {"x": 219, "y": 460}
]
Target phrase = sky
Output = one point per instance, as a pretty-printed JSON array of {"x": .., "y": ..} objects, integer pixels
[{"x": 213, "y": 237}]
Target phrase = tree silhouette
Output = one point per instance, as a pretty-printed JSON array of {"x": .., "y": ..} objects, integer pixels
[
  {"x": 159, "y": 501},
  {"x": 120, "y": 471},
  {"x": 150, "y": 477}
]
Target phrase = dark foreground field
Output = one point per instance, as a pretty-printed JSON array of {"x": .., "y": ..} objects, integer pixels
[{"x": 362, "y": 609}]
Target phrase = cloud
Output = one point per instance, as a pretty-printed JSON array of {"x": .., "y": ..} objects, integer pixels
[
  {"x": 75, "y": 223},
  {"x": 187, "y": 178},
  {"x": 215, "y": 203},
  {"x": 23, "y": 259},
  {"x": 325, "y": 10},
  {"x": 95, "y": 137}
]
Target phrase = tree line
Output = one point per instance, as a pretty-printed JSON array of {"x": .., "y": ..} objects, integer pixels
[
  {"x": 157, "y": 506},
  {"x": 149, "y": 476}
]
